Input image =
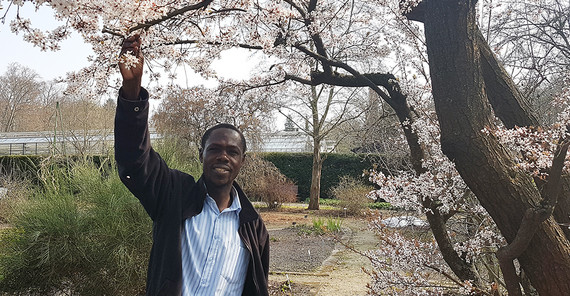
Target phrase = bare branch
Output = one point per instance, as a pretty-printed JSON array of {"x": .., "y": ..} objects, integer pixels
[{"x": 172, "y": 14}]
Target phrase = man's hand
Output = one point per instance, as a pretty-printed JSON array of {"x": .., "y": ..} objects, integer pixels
[{"x": 132, "y": 75}]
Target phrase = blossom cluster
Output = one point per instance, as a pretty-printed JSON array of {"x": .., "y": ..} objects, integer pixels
[
  {"x": 407, "y": 266},
  {"x": 534, "y": 147},
  {"x": 185, "y": 34}
]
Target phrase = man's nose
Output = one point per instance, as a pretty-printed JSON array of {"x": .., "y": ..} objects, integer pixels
[{"x": 223, "y": 156}]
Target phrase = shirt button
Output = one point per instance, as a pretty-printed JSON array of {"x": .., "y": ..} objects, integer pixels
[
  {"x": 137, "y": 109},
  {"x": 128, "y": 177}
]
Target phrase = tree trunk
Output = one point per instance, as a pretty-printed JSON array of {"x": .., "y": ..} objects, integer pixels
[
  {"x": 316, "y": 176},
  {"x": 464, "y": 112},
  {"x": 512, "y": 109}
]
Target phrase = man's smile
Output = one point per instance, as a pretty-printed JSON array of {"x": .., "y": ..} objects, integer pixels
[{"x": 221, "y": 169}]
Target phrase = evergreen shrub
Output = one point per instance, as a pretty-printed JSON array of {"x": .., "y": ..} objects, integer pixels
[{"x": 298, "y": 167}]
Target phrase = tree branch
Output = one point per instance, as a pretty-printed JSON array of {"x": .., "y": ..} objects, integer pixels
[
  {"x": 214, "y": 43},
  {"x": 168, "y": 16},
  {"x": 172, "y": 14}
]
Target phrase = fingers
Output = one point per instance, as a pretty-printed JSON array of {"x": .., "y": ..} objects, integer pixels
[{"x": 132, "y": 44}]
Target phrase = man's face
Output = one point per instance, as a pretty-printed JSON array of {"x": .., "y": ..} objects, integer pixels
[{"x": 222, "y": 157}]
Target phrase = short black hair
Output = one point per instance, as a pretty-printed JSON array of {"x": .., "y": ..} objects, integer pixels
[{"x": 219, "y": 126}]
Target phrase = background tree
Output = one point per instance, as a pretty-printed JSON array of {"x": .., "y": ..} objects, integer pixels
[
  {"x": 378, "y": 132},
  {"x": 320, "y": 112},
  {"x": 85, "y": 122},
  {"x": 19, "y": 88},
  {"x": 51, "y": 93},
  {"x": 187, "y": 113}
]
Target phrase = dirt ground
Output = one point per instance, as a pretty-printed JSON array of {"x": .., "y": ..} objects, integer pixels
[{"x": 331, "y": 268}]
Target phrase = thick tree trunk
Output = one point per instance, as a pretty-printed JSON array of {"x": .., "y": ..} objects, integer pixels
[
  {"x": 316, "y": 177},
  {"x": 512, "y": 109},
  {"x": 464, "y": 112},
  {"x": 505, "y": 98},
  {"x": 509, "y": 106}
]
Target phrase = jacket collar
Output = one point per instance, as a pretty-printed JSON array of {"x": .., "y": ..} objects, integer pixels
[{"x": 194, "y": 204}]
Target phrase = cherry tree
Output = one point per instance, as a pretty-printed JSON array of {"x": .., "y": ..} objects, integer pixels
[
  {"x": 510, "y": 107},
  {"x": 312, "y": 43},
  {"x": 336, "y": 37},
  {"x": 337, "y": 43},
  {"x": 463, "y": 95},
  {"x": 334, "y": 43}
]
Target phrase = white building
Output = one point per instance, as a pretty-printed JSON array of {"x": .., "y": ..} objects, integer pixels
[{"x": 290, "y": 141}]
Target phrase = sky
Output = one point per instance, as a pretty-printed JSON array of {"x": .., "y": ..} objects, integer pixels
[{"x": 49, "y": 65}]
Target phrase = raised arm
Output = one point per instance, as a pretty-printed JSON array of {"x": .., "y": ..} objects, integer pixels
[
  {"x": 131, "y": 75},
  {"x": 141, "y": 169}
]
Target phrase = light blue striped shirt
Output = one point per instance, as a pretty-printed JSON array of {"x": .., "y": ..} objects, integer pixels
[{"x": 214, "y": 259}]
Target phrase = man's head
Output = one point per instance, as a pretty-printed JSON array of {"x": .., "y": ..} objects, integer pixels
[
  {"x": 209, "y": 131},
  {"x": 222, "y": 154}
]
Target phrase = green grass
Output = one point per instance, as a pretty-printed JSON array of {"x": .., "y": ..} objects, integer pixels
[
  {"x": 321, "y": 226},
  {"x": 380, "y": 206}
]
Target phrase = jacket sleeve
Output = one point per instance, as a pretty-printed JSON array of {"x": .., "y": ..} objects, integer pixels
[
  {"x": 141, "y": 169},
  {"x": 265, "y": 250}
]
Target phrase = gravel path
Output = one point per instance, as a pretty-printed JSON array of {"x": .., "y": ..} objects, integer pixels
[
  {"x": 331, "y": 269},
  {"x": 292, "y": 251}
]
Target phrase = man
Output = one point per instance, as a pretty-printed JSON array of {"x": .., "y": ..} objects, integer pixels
[{"x": 207, "y": 237}]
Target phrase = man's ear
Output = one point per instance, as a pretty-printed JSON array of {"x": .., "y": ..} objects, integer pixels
[{"x": 200, "y": 156}]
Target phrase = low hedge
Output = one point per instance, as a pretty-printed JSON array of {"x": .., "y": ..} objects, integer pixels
[{"x": 298, "y": 167}]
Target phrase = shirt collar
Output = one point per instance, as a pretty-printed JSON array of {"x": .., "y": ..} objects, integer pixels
[{"x": 235, "y": 206}]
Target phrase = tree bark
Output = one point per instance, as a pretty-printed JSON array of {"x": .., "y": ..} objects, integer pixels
[
  {"x": 505, "y": 98},
  {"x": 315, "y": 192},
  {"x": 316, "y": 177},
  {"x": 464, "y": 112}
]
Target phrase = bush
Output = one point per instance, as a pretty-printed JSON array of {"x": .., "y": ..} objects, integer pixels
[
  {"x": 179, "y": 155},
  {"x": 22, "y": 167},
  {"x": 262, "y": 181},
  {"x": 80, "y": 232},
  {"x": 352, "y": 194}
]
